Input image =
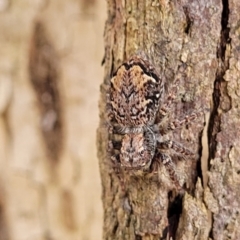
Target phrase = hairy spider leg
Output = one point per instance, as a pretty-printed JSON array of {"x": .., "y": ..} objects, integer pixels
[
  {"x": 164, "y": 109},
  {"x": 187, "y": 119},
  {"x": 178, "y": 148},
  {"x": 171, "y": 168}
]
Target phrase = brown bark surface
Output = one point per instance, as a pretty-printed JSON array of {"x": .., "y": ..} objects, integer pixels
[
  {"x": 50, "y": 72},
  {"x": 204, "y": 37}
]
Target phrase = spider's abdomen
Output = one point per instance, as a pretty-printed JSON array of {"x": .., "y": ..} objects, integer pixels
[{"x": 135, "y": 93}]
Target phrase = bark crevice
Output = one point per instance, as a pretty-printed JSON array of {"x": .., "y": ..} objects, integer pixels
[
  {"x": 219, "y": 83},
  {"x": 219, "y": 91}
]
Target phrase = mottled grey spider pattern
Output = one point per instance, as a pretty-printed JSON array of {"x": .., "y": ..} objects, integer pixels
[{"x": 136, "y": 108}]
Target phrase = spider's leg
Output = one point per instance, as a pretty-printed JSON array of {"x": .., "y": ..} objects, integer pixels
[
  {"x": 179, "y": 123},
  {"x": 165, "y": 108},
  {"x": 113, "y": 154},
  {"x": 113, "y": 147},
  {"x": 178, "y": 148},
  {"x": 187, "y": 119},
  {"x": 171, "y": 168}
]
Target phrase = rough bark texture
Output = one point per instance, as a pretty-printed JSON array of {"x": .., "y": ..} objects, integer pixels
[
  {"x": 49, "y": 177},
  {"x": 203, "y": 35}
]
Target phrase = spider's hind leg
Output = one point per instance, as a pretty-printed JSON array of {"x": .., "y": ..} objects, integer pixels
[
  {"x": 178, "y": 148},
  {"x": 175, "y": 124},
  {"x": 166, "y": 106},
  {"x": 186, "y": 120}
]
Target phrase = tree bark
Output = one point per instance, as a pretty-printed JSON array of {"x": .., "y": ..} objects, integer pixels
[{"x": 202, "y": 36}]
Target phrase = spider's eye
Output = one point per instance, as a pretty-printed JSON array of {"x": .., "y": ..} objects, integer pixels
[{"x": 142, "y": 152}]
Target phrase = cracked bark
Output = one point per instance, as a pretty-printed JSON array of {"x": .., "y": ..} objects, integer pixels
[{"x": 204, "y": 35}]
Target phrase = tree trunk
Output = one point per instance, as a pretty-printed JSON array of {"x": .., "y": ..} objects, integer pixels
[{"x": 202, "y": 36}]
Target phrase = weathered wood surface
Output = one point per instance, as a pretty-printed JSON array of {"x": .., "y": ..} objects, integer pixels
[{"x": 204, "y": 36}]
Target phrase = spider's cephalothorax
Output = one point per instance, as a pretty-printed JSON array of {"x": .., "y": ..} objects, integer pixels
[
  {"x": 134, "y": 99},
  {"x": 137, "y": 150}
]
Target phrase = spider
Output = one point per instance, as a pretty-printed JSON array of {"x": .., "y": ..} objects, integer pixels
[{"x": 136, "y": 107}]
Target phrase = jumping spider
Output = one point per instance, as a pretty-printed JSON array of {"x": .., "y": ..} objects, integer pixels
[{"x": 135, "y": 108}]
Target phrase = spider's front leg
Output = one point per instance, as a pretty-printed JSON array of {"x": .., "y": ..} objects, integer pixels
[
  {"x": 163, "y": 157},
  {"x": 114, "y": 146},
  {"x": 113, "y": 151},
  {"x": 170, "y": 167}
]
